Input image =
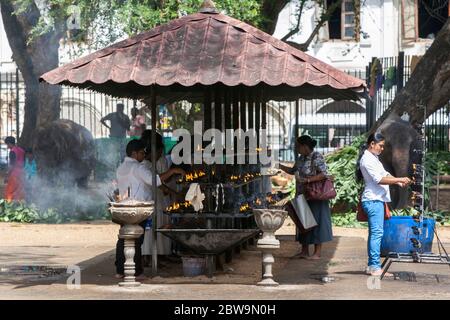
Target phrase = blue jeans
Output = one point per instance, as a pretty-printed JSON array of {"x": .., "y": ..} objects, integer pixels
[{"x": 375, "y": 215}]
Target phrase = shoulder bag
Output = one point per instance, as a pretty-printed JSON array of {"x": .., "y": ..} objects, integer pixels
[{"x": 320, "y": 190}]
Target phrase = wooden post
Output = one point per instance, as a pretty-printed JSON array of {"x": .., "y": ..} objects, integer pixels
[
  {"x": 218, "y": 108},
  {"x": 208, "y": 110},
  {"x": 243, "y": 120},
  {"x": 258, "y": 114},
  {"x": 235, "y": 118},
  {"x": 297, "y": 106},
  {"x": 264, "y": 115},
  {"x": 227, "y": 112},
  {"x": 258, "y": 130},
  {"x": 400, "y": 70},
  {"x": 243, "y": 110},
  {"x": 251, "y": 109}
]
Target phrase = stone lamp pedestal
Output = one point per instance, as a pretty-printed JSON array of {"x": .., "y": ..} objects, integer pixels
[
  {"x": 129, "y": 214},
  {"x": 269, "y": 221}
]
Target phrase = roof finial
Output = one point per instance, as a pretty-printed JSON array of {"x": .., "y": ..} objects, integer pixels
[{"x": 208, "y": 6}]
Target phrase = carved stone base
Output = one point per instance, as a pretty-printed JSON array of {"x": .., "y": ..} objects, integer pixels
[
  {"x": 267, "y": 262},
  {"x": 269, "y": 282}
]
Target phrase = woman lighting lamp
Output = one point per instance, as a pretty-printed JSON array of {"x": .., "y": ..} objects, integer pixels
[{"x": 311, "y": 167}]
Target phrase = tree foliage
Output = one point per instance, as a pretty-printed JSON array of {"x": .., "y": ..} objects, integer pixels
[{"x": 102, "y": 22}]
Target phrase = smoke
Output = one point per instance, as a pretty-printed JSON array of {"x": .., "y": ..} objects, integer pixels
[
  {"x": 66, "y": 156},
  {"x": 70, "y": 202}
]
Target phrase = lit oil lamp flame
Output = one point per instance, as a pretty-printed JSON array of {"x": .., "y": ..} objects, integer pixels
[
  {"x": 189, "y": 177},
  {"x": 244, "y": 207},
  {"x": 177, "y": 205}
]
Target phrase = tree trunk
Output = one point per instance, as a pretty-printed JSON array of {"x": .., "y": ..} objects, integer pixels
[
  {"x": 33, "y": 59},
  {"x": 429, "y": 84}
]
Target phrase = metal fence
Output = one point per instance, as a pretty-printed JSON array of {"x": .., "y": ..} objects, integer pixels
[
  {"x": 333, "y": 124},
  {"x": 87, "y": 108},
  {"x": 81, "y": 106},
  {"x": 395, "y": 73},
  {"x": 336, "y": 123},
  {"x": 12, "y": 91}
]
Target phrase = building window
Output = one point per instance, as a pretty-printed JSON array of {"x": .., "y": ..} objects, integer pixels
[
  {"x": 432, "y": 17},
  {"x": 423, "y": 19},
  {"x": 343, "y": 21},
  {"x": 348, "y": 19}
]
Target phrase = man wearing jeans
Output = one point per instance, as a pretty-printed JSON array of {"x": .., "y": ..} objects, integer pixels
[{"x": 375, "y": 195}]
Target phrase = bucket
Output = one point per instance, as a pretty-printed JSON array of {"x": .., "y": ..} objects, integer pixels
[
  {"x": 398, "y": 232},
  {"x": 193, "y": 266}
]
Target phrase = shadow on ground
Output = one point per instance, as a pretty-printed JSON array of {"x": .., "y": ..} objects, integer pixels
[{"x": 244, "y": 269}]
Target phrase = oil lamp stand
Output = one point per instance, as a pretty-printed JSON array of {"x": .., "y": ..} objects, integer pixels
[{"x": 269, "y": 221}]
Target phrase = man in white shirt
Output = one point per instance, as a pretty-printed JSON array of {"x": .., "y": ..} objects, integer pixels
[{"x": 134, "y": 179}]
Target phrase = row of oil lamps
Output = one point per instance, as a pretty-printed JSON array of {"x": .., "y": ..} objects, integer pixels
[
  {"x": 186, "y": 206},
  {"x": 197, "y": 175}
]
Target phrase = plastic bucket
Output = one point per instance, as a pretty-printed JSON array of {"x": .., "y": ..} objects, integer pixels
[
  {"x": 193, "y": 266},
  {"x": 398, "y": 232}
]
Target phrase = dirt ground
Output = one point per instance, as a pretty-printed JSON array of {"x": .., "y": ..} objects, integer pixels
[{"x": 91, "y": 247}]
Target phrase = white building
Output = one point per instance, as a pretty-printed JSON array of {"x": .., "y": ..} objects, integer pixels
[
  {"x": 386, "y": 28},
  {"x": 349, "y": 41}
]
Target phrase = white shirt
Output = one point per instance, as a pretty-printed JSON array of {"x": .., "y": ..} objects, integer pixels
[
  {"x": 373, "y": 171},
  {"x": 136, "y": 176},
  {"x": 161, "y": 167}
]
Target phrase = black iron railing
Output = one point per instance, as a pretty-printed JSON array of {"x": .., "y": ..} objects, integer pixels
[{"x": 333, "y": 124}]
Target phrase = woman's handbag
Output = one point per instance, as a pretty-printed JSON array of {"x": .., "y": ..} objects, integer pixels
[
  {"x": 361, "y": 215},
  {"x": 320, "y": 190}
]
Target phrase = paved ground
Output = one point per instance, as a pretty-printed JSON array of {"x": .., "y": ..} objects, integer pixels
[{"x": 91, "y": 246}]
